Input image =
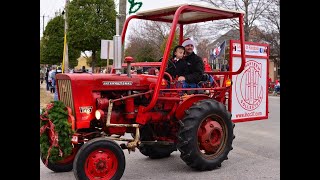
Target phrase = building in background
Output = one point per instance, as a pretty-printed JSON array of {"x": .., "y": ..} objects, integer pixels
[
  {"x": 82, "y": 61},
  {"x": 255, "y": 34}
]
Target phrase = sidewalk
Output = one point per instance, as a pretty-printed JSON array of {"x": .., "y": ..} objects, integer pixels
[
  {"x": 276, "y": 95},
  {"x": 45, "y": 96},
  {"x": 43, "y": 86}
]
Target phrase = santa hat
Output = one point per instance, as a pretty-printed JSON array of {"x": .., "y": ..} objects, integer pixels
[{"x": 187, "y": 42}]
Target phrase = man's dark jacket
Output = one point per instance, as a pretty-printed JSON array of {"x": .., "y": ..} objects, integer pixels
[{"x": 195, "y": 68}]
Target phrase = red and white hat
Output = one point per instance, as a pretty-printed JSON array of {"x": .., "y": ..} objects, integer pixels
[{"x": 187, "y": 42}]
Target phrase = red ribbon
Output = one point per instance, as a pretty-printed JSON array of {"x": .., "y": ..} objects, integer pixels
[{"x": 52, "y": 133}]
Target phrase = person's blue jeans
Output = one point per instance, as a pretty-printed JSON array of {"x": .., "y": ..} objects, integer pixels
[
  {"x": 194, "y": 85},
  {"x": 189, "y": 85},
  {"x": 47, "y": 84},
  {"x": 277, "y": 89},
  {"x": 55, "y": 95}
]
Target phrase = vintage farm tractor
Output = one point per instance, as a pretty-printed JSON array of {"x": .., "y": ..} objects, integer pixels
[{"x": 161, "y": 116}]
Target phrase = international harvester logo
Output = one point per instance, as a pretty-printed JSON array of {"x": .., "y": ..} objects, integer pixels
[{"x": 249, "y": 90}]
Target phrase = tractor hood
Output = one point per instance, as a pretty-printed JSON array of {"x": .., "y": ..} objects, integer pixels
[
  {"x": 104, "y": 82},
  {"x": 79, "y": 91}
]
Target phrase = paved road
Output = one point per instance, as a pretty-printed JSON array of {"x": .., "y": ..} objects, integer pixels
[{"x": 256, "y": 155}]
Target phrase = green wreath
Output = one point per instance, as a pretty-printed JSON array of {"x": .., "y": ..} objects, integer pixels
[{"x": 54, "y": 121}]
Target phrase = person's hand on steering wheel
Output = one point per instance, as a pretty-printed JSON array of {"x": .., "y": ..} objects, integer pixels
[{"x": 181, "y": 78}]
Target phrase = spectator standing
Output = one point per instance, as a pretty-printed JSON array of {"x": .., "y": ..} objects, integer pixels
[
  {"x": 47, "y": 78},
  {"x": 207, "y": 66},
  {"x": 50, "y": 79},
  {"x": 83, "y": 69},
  {"x": 55, "y": 96},
  {"x": 42, "y": 75}
]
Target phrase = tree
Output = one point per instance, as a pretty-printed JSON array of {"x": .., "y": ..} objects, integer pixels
[
  {"x": 142, "y": 49},
  {"x": 99, "y": 62},
  {"x": 89, "y": 21},
  {"x": 271, "y": 23},
  {"x": 51, "y": 44},
  {"x": 147, "y": 40},
  {"x": 253, "y": 13},
  {"x": 175, "y": 42},
  {"x": 203, "y": 49}
]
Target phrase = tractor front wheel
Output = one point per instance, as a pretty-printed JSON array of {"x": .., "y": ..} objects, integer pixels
[
  {"x": 205, "y": 135},
  {"x": 99, "y": 158}
]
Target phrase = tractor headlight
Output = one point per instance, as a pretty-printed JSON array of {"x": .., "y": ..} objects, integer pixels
[{"x": 99, "y": 114}]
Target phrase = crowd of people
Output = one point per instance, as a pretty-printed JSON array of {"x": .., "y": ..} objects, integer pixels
[{"x": 48, "y": 74}]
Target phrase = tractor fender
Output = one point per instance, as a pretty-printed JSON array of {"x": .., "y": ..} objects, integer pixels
[{"x": 187, "y": 102}]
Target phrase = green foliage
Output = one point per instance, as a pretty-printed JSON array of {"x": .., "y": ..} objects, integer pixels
[
  {"x": 175, "y": 42},
  {"x": 59, "y": 116},
  {"x": 99, "y": 62},
  {"x": 51, "y": 44},
  {"x": 143, "y": 50},
  {"x": 144, "y": 55},
  {"x": 89, "y": 21}
]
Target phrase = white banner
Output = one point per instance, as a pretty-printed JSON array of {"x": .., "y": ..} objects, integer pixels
[{"x": 249, "y": 96}]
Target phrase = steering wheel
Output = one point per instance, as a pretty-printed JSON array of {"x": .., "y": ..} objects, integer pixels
[
  {"x": 166, "y": 73},
  {"x": 169, "y": 76}
]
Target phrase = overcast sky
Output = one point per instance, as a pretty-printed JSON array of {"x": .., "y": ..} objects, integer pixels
[{"x": 49, "y": 7}]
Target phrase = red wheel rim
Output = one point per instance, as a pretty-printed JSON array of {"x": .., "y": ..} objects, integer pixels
[
  {"x": 210, "y": 137},
  {"x": 102, "y": 164}
]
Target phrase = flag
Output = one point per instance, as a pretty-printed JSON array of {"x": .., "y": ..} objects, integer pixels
[{"x": 218, "y": 51}]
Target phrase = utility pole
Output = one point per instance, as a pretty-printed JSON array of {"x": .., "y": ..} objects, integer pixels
[
  {"x": 43, "y": 16},
  {"x": 122, "y": 18},
  {"x": 42, "y": 24},
  {"x": 122, "y": 13},
  {"x": 65, "y": 62}
]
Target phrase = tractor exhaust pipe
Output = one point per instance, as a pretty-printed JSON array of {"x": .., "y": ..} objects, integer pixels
[
  {"x": 117, "y": 53},
  {"x": 117, "y": 48}
]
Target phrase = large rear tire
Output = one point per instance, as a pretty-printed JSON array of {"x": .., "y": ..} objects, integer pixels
[
  {"x": 205, "y": 135},
  {"x": 99, "y": 158}
]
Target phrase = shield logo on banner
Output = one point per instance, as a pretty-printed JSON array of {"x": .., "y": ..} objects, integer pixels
[{"x": 250, "y": 89}]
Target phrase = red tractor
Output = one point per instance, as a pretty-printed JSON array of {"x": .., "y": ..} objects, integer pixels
[{"x": 161, "y": 116}]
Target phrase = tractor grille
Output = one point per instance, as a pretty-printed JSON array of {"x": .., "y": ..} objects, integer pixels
[{"x": 65, "y": 93}]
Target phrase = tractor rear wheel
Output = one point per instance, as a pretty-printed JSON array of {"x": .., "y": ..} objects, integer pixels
[
  {"x": 205, "y": 135},
  {"x": 99, "y": 158}
]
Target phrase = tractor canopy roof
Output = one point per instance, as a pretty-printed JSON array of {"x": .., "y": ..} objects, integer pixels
[
  {"x": 198, "y": 13},
  {"x": 183, "y": 14}
]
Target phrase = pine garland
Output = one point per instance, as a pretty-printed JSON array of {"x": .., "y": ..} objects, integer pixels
[{"x": 54, "y": 121}]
